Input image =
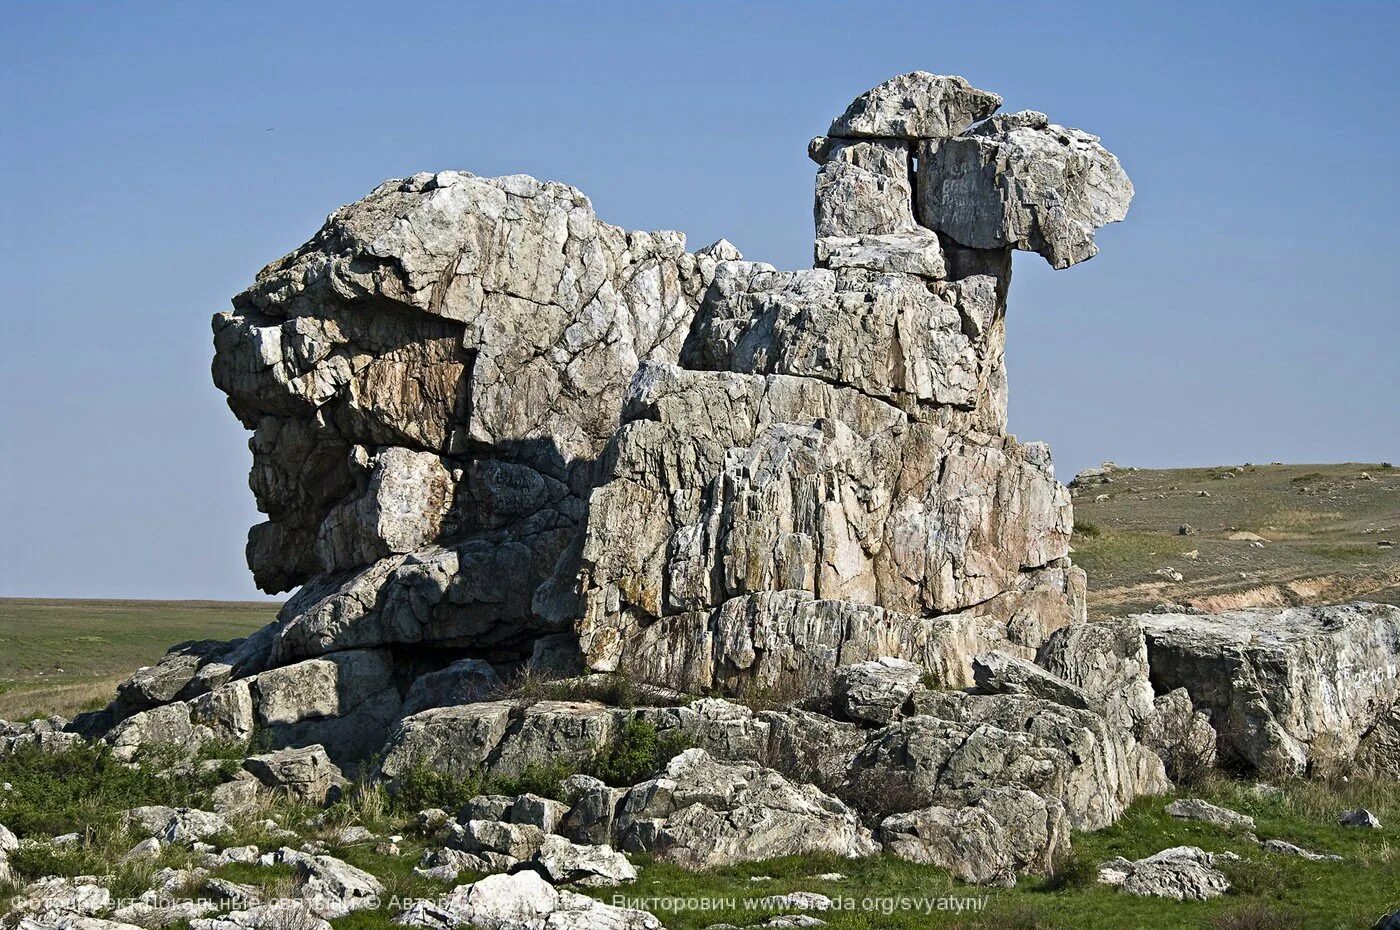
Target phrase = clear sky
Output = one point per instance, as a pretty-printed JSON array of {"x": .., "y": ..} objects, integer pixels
[{"x": 155, "y": 156}]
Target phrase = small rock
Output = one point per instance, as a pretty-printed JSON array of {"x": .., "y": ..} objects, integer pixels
[
  {"x": 1288, "y": 849},
  {"x": 566, "y": 863},
  {"x": 796, "y": 901},
  {"x": 1183, "y": 873},
  {"x": 148, "y": 850},
  {"x": 350, "y": 836},
  {"x": 1195, "y": 809},
  {"x": 1169, "y": 573},
  {"x": 1360, "y": 817},
  {"x": 1185, "y": 529}
]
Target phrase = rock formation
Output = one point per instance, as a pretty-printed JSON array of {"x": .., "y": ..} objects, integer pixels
[
  {"x": 488, "y": 426},
  {"x": 491, "y": 432}
]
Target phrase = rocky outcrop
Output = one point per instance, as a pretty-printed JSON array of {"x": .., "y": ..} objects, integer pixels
[
  {"x": 1287, "y": 689},
  {"x": 702, "y": 813},
  {"x": 487, "y": 425},
  {"x": 492, "y": 434}
]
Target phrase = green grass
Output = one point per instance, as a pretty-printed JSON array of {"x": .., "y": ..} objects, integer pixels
[
  {"x": 84, "y": 789},
  {"x": 66, "y": 656}
]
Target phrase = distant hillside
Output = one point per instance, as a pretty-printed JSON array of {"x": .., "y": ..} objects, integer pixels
[{"x": 1258, "y": 535}]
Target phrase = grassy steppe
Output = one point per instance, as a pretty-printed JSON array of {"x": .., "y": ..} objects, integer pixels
[
  {"x": 63, "y": 656},
  {"x": 1322, "y": 527}
]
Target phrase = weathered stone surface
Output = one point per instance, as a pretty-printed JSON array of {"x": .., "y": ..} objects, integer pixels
[
  {"x": 917, "y": 252},
  {"x": 1183, "y": 873},
  {"x": 959, "y": 745},
  {"x": 307, "y": 774},
  {"x": 917, "y": 105},
  {"x": 1284, "y": 848},
  {"x": 330, "y": 887},
  {"x": 176, "y": 824},
  {"x": 865, "y": 188},
  {"x": 1001, "y": 832},
  {"x": 345, "y": 701},
  {"x": 916, "y": 520},
  {"x": 875, "y": 692},
  {"x": 1107, "y": 659},
  {"x": 1284, "y": 689},
  {"x": 999, "y": 673},
  {"x": 932, "y": 348},
  {"x": 566, "y": 863},
  {"x": 1019, "y": 180},
  {"x": 523, "y": 901},
  {"x": 1360, "y": 817},
  {"x": 702, "y": 813},
  {"x": 279, "y": 915},
  {"x": 1196, "y": 809},
  {"x": 465, "y": 681}
]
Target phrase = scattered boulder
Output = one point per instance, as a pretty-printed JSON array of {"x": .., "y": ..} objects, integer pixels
[
  {"x": 1001, "y": 832},
  {"x": 1360, "y": 817},
  {"x": 1183, "y": 873},
  {"x": 330, "y": 887},
  {"x": 1196, "y": 809},
  {"x": 1281, "y": 686},
  {"x": 701, "y": 813},
  {"x": 306, "y": 774},
  {"x": 565, "y": 863},
  {"x": 278, "y": 915},
  {"x": 522, "y": 901},
  {"x": 1285, "y": 848}
]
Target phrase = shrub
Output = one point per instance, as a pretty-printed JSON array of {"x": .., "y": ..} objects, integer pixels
[
  {"x": 1086, "y": 529},
  {"x": 86, "y": 787},
  {"x": 1255, "y": 878},
  {"x": 422, "y": 787},
  {"x": 1386, "y": 465},
  {"x": 1072, "y": 870},
  {"x": 877, "y": 792},
  {"x": 636, "y": 754}
]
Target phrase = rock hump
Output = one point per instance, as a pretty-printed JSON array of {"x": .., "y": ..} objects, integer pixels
[{"x": 488, "y": 426}]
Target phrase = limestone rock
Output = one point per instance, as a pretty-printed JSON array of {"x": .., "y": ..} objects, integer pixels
[
  {"x": 988, "y": 841},
  {"x": 1196, "y": 809},
  {"x": 286, "y": 914},
  {"x": 999, "y": 673},
  {"x": 1359, "y": 818},
  {"x": 1019, "y": 180},
  {"x": 523, "y": 901},
  {"x": 565, "y": 863},
  {"x": 1183, "y": 873},
  {"x": 874, "y": 692},
  {"x": 1283, "y": 687},
  {"x": 1107, "y": 659},
  {"x": 702, "y": 813},
  {"x": 305, "y": 774},
  {"x": 865, "y": 188},
  {"x": 957, "y": 746},
  {"x": 917, "y": 105},
  {"x": 330, "y": 887},
  {"x": 917, "y": 252}
]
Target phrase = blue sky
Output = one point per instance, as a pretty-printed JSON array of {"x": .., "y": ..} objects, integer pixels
[{"x": 1246, "y": 311}]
